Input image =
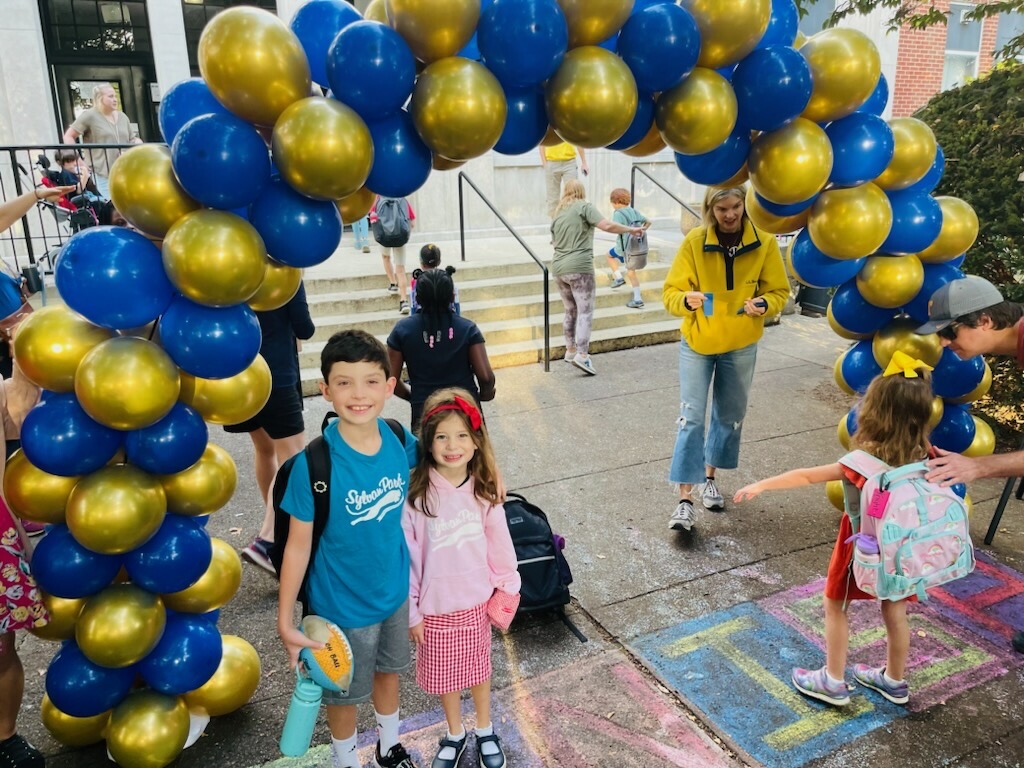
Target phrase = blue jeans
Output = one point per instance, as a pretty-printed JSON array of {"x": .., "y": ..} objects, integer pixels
[
  {"x": 728, "y": 376},
  {"x": 361, "y": 232}
]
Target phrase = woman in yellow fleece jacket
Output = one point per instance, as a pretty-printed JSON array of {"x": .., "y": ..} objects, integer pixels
[{"x": 726, "y": 277}]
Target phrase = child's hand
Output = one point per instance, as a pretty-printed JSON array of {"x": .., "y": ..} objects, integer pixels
[
  {"x": 748, "y": 492},
  {"x": 294, "y": 641},
  {"x": 416, "y": 634}
]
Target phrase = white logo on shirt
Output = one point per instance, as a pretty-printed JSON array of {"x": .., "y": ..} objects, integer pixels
[
  {"x": 464, "y": 527},
  {"x": 367, "y": 506}
]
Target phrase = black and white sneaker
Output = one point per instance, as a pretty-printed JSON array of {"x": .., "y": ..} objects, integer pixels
[
  {"x": 710, "y": 496},
  {"x": 396, "y": 757},
  {"x": 684, "y": 516}
]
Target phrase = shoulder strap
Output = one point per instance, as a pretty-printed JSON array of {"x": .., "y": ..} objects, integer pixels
[
  {"x": 863, "y": 463},
  {"x": 318, "y": 459},
  {"x": 397, "y": 428}
]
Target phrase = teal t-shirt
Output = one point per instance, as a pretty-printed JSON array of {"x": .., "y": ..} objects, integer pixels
[
  {"x": 572, "y": 232},
  {"x": 628, "y": 217},
  {"x": 360, "y": 574}
]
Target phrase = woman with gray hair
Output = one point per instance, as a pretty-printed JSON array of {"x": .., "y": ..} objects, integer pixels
[
  {"x": 103, "y": 123},
  {"x": 726, "y": 277}
]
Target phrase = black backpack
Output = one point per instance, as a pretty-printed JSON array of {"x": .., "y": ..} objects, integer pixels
[
  {"x": 542, "y": 567},
  {"x": 318, "y": 459}
]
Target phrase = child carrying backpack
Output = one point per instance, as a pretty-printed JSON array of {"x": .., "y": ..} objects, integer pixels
[
  {"x": 630, "y": 251},
  {"x": 391, "y": 220},
  {"x": 880, "y": 553}
]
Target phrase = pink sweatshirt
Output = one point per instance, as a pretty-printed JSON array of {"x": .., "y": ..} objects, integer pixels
[{"x": 460, "y": 557}]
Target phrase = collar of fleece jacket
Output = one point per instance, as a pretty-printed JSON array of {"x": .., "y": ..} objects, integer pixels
[{"x": 750, "y": 241}]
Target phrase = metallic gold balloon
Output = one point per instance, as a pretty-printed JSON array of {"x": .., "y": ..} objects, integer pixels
[
  {"x": 376, "y": 11},
  {"x": 204, "y": 487},
  {"x": 253, "y": 63},
  {"x": 958, "y": 233},
  {"x": 728, "y": 31},
  {"x": 120, "y": 626},
  {"x": 837, "y": 374},
  {"x": 697, "y": 115},
  {"x": 913, "y": 155},
  {"x": 594, "y": 21},
  {"x": 551, "y": 139},
  {"x": 231, "y": 400},
  {"x": 938, "y": 409},
  {"x": 50, "y": 344},
  {"x": 33, "y": 494},
  {"x": 649, "y": 144},
  {"x": 850, "y": 222},
  {"x": 439, "y": 163},
  {"x": 891, "y": 281},
  {"x": 73, "y": 731},
  {"x": 740, "y": 177},
  {"x": 356, "y": 206},
  {"x": 323, "y": 148},
  {"x": 215, "y": 587},
  {"x": 127, "y": 383},
  {"x": 116, "y": 509},
  {"x": 234, "y": 682},
  {"x": 800, "y": 39},
  {"x": 434, "y": 29},
  {"x": 769, "y": 222},
  {"x": 841, "y": 331},
  {"x": 459, "y": 108},
  {"x": 834, "y": 492},
  {"x": 147, "y": 730},
  {"x": 979, "y": 391},
  {"x": 984, "y": 441},
  {"x": 843, "y": 433},
  {"x": 845, "y": 67},
  {"x": 280, "y": 283},
  {"x": 792, "y": 164},
  {"x": 899, "y": 335},
  {"x": 145, "y": 190},
  {"x": 63, "y": 614},
  {"x": 592, "y": 98},
  {"x": 969, "y": 504}
]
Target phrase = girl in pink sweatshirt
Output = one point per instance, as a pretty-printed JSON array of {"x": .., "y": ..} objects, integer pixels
[{"x": 463, "y": 568}]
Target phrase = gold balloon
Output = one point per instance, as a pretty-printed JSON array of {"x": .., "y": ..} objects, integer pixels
[
  {"x": 50, "y": 344},
  {"x": 73, "y": 731},
  {"x": 280, "y": 283},
  {"x": 434, "y": 29},
  {"x": 439, "y": 163},
  {"x": 234, "y": 682},
  {"x": 253, "y": 64},
  {"x": 850, "y": 223},
  {"x": 356, "y": 206},
  {"x": 891, "y": 281},
  {"x": 938, "y": 409},
  {"x": 958, "y": 233},
  {"x": 799, "y": 40},
  {"x": 841, "y": 331},
  {"x": 979, "y": 391},
  {"x": 147, "y": 730},
  {"x": 322, "y": 148},
  {"x": 145, "y": 190},
  {"x": 843, "y": 433},
  {"x": 551, "y": 139},
  {"x": 740, "y": 177},
  {"x": 899, "y": 335},
  {"x": 64, "y": 613},
  {"x": 837, "y": 374},
  {"x": 834, "y": 492},
  {"x": 215, "y": 587},
  {"x": 592, "y": 98},
  {"x": 913, "y": 154},
  {"x": 969, "y": 504},
  {"x": 649, "y": 144},
  {"x": 33, "y": 494},
  {"x": 697, "y": 115},
  {"x": 116, "y": 509},
  {"x": 231, "y": 400},
  {"x": 127, "y": 383},
  {"x": 769, "y": 222},
  {"x": 120, "y": 626},
  {"x": 984, "y": 441},
  {"x": 845, "y": 67},
  {"x": 792, "y": 164},
  {"x": 728, "y": 30},
  {"x": 204, "y": 487},
  {"x": 594, "y": 21},
  {"x": 376, "y": 11}
]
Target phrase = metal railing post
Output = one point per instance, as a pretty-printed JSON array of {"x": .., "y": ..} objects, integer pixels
[
  {"x": 462, "y": 220},
  {"x": 632, "y": 188}
]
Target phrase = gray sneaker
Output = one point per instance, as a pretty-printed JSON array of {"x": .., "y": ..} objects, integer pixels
[
  {"x": 618, "y": 282},
  {"x": 635, "y": 304},
  {"x": 684, "y": 516},
  {"x": 710, "y": 496}
]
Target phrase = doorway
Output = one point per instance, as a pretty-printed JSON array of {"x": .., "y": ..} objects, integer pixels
[{"x": 73, "y": 85}]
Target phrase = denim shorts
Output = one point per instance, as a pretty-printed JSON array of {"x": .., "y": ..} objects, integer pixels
[{"x": 382, "y": 647}]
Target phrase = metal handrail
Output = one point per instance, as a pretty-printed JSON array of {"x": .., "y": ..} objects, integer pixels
[
  {"x": 662, "y": 187},
  {"x": 512, "y": 231}
]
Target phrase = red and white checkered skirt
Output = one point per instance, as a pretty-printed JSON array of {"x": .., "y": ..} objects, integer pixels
[{"x": 456, "y": 651}]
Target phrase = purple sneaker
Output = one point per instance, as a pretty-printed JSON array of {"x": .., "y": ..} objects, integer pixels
[
  {"x": 874, "y": 678},
  {"x": 815, "y": 683}
]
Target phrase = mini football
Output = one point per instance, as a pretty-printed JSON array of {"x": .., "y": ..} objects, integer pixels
[{"x": 329, "y": 667}]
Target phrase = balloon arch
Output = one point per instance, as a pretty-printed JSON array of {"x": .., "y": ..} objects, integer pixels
[{"x": 159, "y": 335}]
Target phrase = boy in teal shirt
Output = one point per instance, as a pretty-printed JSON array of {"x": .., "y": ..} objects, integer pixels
[{"x": 628, "y": 216}]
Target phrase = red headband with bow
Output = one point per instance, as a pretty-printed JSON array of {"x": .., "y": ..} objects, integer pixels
[{"x": 460, "y": 404}]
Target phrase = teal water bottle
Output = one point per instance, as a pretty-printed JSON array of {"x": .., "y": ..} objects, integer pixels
[{"x": 302, "y": 714}]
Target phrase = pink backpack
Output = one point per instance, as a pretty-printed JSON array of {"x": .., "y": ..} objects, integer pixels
[{"x": 910, "y": 534}]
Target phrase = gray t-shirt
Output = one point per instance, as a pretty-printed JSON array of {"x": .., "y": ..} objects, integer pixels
[
  {"x": 94, "y": 128},
  {"x": 573, "y": 234}
]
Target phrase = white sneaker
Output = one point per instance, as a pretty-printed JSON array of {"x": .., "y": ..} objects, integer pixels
[
  {"x": 684, "y": 516},
  {"x": 569, "y": 355},
  {"x": 710, "y": 497},
  {"x": 585, "y": 364}
]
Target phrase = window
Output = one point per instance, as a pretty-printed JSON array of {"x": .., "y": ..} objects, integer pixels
[
  {"x": 198, "y": 12},
  {"x": 75, "y": 29},
  {"x": 1011, "y": 25},
  {"x": 963, "y": 40},
  {"x": 817, "y": 15}
]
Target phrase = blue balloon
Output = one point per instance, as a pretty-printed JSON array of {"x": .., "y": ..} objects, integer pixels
[
  {"x": 522, "y": 42},
  {"x": 875, "y": 104},
  {"x": 611, "y": 44},
  {"x": 960, "y": 489},
  {"x": 210, "y": 342},
  {"x": 727, "y": 71},
  {"x": 660, "y": 45},
  {"x": 782, "y": 26},
  {"x": 935, "y": 276},
  {"x": 718, "y": 165},
  {"x": 59, "y": 437},
  {"x": 916, "y": 222},
  {"x": 183, "y": 101},
  {"x": 958, "y": 261},
  {"x": 187, "y": 655},
  {"x": 371, "y": 69},
  {"x": 297, "y": 230},
  {"x": 859, "y": 368},
  {"x": 851, "y": 419},
  {"x": 862, "y": 146},
  {"x": 773, "y": 85},
  {"x": 641, "y": 125},
  {"x": 173, "y": 559},
  {"x": 854, "y": 313},
  {"x": 64, "y": 568},
  {"x": 955, "y": 430},
  {"x": 927, "y": 184},
  {"x": 953, "y": 377},
  {"x": 815, "y": 269},
  {"x": 781, "y": 209},
  {"x": 401, "y": 161},
  {"x": 221, "y": 161},
  {"x": 113, "y": 277},
  {"x": 471, "y": 50},
  {"x": 317, "y": 24},
  {"x": 172, "y": 445},
  {"x": 526, "y": 123},
  {"x": 81, "y": 688}
]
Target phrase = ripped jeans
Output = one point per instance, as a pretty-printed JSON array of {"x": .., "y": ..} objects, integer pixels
[{"x": 728, "y": 376}]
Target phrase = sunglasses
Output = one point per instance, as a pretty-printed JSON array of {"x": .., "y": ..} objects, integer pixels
[{"x": 950, "y": 331}]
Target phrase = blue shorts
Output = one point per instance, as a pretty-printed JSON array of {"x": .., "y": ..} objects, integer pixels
[
  {"x": 382, "y": 647},
  {"x": 615, "y": 255}
]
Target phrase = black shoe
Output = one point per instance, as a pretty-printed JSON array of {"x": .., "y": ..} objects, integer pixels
[
  {"x": 1018, "y": 642},
  {"x": 811, "y": 313},
  {"x": 459, "y": 747},
  {"x": 396, "y": 757},
  {"x": 16, "y": 752},
  {"x": 490, "y": 761}
]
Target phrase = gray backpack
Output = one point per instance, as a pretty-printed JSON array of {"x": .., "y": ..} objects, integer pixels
[{"x": 392, "y": 227}]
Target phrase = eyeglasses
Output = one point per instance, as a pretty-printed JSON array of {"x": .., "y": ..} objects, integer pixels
[{"x": 950, "y": 331}]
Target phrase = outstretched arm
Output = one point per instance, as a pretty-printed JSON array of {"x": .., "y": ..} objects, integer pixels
[
  {"x": 792, "y": 479},
  {"x": 14, "y": 209}
]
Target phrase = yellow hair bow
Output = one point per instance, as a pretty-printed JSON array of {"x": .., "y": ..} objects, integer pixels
[{"x": 903, "y": 363}]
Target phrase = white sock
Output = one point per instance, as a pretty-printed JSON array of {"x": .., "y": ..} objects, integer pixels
[
  {"x": 448, "y": 753},
  {"x": 488, "y": 747},
  {"x": 832, "y": 680},
  {"x": 617, "y": 274},
  {"x": 343, "y": 752},
  {"x": 387, "y": 730},
  {"x": 636, "y": 294},
  {"x": 889, "y": 681}
]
